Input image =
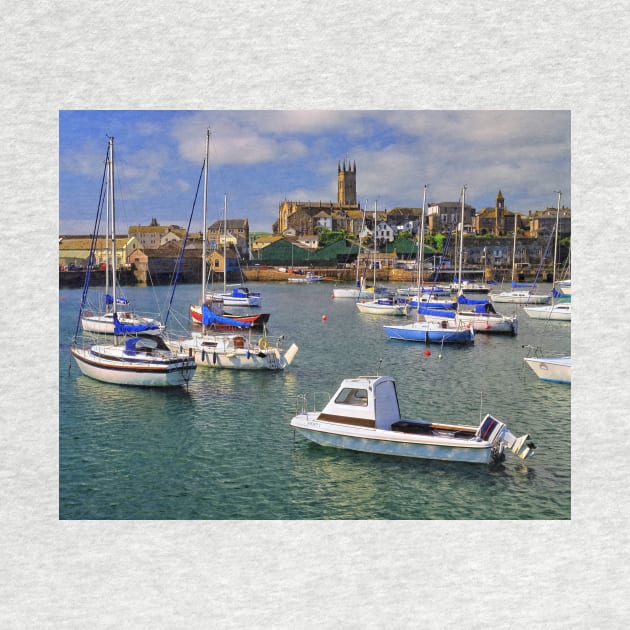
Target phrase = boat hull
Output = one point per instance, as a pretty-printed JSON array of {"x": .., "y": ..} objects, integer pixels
[
  {"x": 519, "y": 297},
  {"x": 552, "y": 369},
  {"x": 391, "y": 442},
  {"x": 225, "y": 353},
  {"x": 556, "y": 312},
  {"x": 430, "y": 332},
  {"x": 140, "y": 373},
  {"x": 377, "y": 308},
  {"x": 483, "y": 324},
  {"x": 104, "y": 324},
  {"x": 257, "y": 320}
]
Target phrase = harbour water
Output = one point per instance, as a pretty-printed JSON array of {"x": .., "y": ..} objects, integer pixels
[{"x": 223, "y": 449}]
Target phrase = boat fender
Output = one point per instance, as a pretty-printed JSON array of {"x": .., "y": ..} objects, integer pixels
[
  {"x": 214, "y": 358},
  {"x": 203, "y": 355}
]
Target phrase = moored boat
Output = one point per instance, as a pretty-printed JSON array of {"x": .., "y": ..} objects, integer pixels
[
  {"x": 144, "y": 361},
  {"x": 553, "y": 369},
  {"x": 559, "y": 311},
  {"x": 140, "y": 361},
  {"x": 383, "y": 306},
  {"x": 364, "y": 415}
]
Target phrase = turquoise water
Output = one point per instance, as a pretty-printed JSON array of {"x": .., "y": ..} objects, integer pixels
[{"x": 224, "y": 448}]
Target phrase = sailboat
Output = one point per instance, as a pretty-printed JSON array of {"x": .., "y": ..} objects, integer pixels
[
  {"x": 440, "y": 327},
  {"x": 143, "y": 360},
  {"x": 479, "y": 315},
  {"x": 102, "y": 321},
  {"x": 384, "y": 305},
  {"x": 360, "y": 290},
  {"x": 519, "y": 295},
  {"x": 239, "y": 295},
  {"x": 228, "y": 350},
  {"x": 556, "y": 311}
]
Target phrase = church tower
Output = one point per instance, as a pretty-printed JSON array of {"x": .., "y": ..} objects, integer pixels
[
  {"x": 347, "y": 184},
  {"x": 499, "y": 226}
]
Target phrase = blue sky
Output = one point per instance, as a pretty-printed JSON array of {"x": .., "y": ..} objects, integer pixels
[{"x": 259, "y": 158}]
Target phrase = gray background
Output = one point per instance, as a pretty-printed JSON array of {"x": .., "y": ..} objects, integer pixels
[{"x": 306, "y": 55}]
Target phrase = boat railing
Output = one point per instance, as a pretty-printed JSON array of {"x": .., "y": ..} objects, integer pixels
[{"x": 309, "y": 402}]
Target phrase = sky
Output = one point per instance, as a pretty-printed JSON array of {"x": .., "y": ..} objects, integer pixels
[{"x": 258, "y": 158}]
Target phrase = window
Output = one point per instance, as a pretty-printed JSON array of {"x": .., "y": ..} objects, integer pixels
[{"x": 352, "y": 396}]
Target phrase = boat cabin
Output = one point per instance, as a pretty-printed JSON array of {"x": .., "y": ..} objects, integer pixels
[{"x": 366, "y": 401}]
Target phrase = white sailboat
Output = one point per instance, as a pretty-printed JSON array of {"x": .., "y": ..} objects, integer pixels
[
  {"x": 239, "y": 295},
  {"x": 381, "y": 305},
  {"x": 228, "y": 350},
  {"x": 100, "y": 320},
  {"x": 141, "y": 361},
  {"x": 518, "y": 295},
  {"x": 556, "y": 311},
  {"x": 359, "y": 290}
]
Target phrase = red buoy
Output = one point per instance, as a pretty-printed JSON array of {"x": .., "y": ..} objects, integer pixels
[
  {"x": 427, "y": 353},
  {"x": 324, "y": 318}
]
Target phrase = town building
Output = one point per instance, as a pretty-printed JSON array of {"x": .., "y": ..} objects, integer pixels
[
  {"x": 304, "y": 216},
  {"x": 235, "y": 232},
  {"x": 444, "y": 214}
]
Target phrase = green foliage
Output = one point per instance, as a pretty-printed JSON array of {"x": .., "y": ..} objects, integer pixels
[
  {"x": 326, "y": 237},
  {"x": 436, "y": 241}
]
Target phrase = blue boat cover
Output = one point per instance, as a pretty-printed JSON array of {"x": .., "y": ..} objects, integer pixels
[
  {"x": 123, "y": 329},
  {"x": 210, "y": 318},
  {"x": 521, "y": 285},
  {"x": 110, "y": 300},
  {"x": 437, "y": 312},
  {"x": 462, "y": 299}
]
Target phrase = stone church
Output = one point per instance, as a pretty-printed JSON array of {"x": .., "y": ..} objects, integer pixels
[{"x": 302, "y": 217}]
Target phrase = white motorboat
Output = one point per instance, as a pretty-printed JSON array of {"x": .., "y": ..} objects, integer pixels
[
  {"x": 554, "y": 369},
  {"x": 364, "y": 415}
]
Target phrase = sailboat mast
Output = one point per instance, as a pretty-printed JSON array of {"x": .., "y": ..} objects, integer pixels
[
  {"x": 204, "y": 235},
  {"x": 421, "y": 245},
  {"x": 224, "y": 242},
  {"x": 374, "y": 236},
  {"x": 514, "y": 252},
  {"x": 107, "y": 250},
  {"x": 461, "y": 239},
  {"x": 113, "y": 218},
  {"x": 555, "y": 247}
]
